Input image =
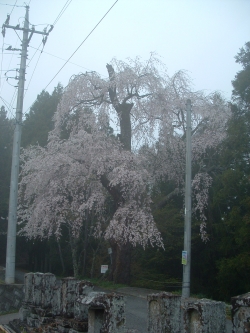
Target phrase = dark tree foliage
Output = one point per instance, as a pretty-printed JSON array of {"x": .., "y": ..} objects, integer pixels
[
  {"x": 161, "y": 268},
  {"x": 38, "y": 121},
  {"x": 241, "y": 82},
  {"x": 224, "y": 259},
  {"x": 230, "y": 197},
  {"x": 6, "y": 138}
]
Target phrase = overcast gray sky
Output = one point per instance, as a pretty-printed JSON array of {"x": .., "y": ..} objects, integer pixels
[{"x": 200, "y": 36}]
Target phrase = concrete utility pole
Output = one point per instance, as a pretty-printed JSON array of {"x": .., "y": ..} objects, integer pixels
[
  {"x": 186, "y": 260},
  {"x": 12, "y": 217}
]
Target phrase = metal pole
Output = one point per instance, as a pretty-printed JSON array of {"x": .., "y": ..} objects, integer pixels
[
  {"x": 187, "y": 227},
  {"x": 12, "y": 218}
]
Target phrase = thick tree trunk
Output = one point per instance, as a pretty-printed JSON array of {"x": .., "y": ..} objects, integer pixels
[
  {"x": 125, "y": 124},
  {"x": 61, "y": 257},
  {"x": 73, "y": 246},
  {"x": 121, "y": 263},
  {"x": 121, "y": 253},
  {"x": 95, "y": 251},
  {"x": 85, "y": 246}
]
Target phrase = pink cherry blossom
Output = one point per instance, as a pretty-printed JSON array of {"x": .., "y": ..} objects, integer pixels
[{"x": 77, "y": 173}]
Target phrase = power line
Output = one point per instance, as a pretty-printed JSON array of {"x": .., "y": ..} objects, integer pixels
[
  {"x": 13, "y": 7},
  {"x": 6, "y": 4},
  {"x": 13, "y": 98},
  {"x": 8, "y": 106},
  {"x": 82, "y": 42},
  {"x": 62, "y": 11},
  {"x": 34, "y": 69},
  {"x": 34, "y": 54},
  {"x": 38, "y": 49},
  {"x": 1, "y": 64},
  {"x": 18, "y": 36},
  {"x": 1, "y": 87},
  {"x": 73, "y": 63}
]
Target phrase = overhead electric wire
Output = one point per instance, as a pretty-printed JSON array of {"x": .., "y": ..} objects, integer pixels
[
  {"x": 37, "y": 49},
  {"x": 1, "y": 86},
  {"x": 7, "y": 4},
  {"x": 34, "y": 68},
  {"x": 62, "y": 11},
  {"x": 34, "y": 54},
  {"x": 8, "y": 107},
  {"x": 1, "y": 64},
  {"x": 13, "y": 7},
  {"x": 82, "y": 43},
  {"x": 13, "y": 97},
  {"x": 18, "y": 36},
  {"x": 62, "y": 59}
]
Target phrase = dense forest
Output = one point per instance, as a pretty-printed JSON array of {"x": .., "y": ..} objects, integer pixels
[{"x": 220, "y": 260}]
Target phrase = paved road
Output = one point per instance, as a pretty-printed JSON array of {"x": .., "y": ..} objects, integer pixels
[
  {"x": 5, "y": 319},
  {"x": 136, "y": 314}
]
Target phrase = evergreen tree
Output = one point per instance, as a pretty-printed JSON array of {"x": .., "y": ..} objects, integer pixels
[
  {"x": 230, "y": 195},
  {"x": 241, "y": 83},
  {"x": 6, "y": 138},
  {"x": 39, "y": 121}
]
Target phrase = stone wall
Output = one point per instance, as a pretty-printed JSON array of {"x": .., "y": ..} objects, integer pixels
[
  {"x": 241, "y": 313},
  {"x": 11, "y": 297},
  {"x": 69, "y": 306},
  {"x": 203, "y": 316},
  {"x": 164, "y": 313},
  {"x": 173, "y": 314}
]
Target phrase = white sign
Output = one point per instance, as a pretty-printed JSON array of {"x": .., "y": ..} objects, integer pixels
[
  {"x": 184, "y": 258},
  {"x": 104, "y": 268}
]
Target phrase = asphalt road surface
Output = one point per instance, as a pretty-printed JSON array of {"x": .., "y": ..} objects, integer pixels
[{"x": 136, "y": 313}]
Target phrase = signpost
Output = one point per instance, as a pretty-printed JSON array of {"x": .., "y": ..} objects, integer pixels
[
  {"x": 104, "y": 268},
  {"x": 184, "y": 258}
]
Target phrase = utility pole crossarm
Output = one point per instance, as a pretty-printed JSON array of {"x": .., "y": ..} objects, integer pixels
[{"x": 28, "y": 30}]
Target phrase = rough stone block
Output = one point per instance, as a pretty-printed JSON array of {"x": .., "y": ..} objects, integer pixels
[
  {"x": 241, "y": 313},
  {"x": 28, "y": 287},
  {"x": 164, "y": 313},
  {"x": 46, "y": 320},
  {"x": 48, "y": 284},
  {"x": 37, "y": 288},
  {"x": 105, "y": 312},
  {"x": 32, "y": 322},
  {"x": 68, "y": 296},
  {"x": 62, "y": 329},
  {"x": 44, "y": 312},
  {"x": 83, "y": 288},
  {"x": 203, "y": 316},
  {"x": 57, "y": 299},
  {"x": 80, "y": 326},
  {"x": 50, "y": 304},
  {"x": 11, "y": 297},
  {"x": 25, "y": 312}
]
